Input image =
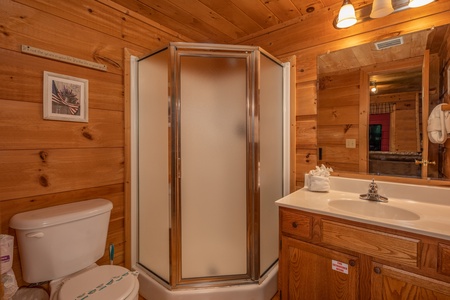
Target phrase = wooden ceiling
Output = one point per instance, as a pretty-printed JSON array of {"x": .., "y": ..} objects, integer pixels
[
  {"x": 232, "y": 21},
  {"x": 226, "y": 21}
]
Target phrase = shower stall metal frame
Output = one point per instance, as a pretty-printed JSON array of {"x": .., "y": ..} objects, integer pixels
[
  {"x": 252, "y": 56},
  {"x": 178, "y": 50}
]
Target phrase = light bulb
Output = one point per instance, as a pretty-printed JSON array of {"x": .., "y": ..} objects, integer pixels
[
  {"x": 381, "y": 8},
  {"x": 418, "y": 3},
  {"x": 347, "y": 16}
]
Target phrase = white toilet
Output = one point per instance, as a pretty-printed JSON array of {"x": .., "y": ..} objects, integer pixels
[{"x": 61, "y": 244}]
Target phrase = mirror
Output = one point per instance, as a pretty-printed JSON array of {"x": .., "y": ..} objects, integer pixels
[{"x": 382, "y": 131}]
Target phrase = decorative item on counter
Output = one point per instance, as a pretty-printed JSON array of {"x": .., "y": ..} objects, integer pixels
[
  {"x": 318, "y": 180},
  {"x": 8, "y": 280}
]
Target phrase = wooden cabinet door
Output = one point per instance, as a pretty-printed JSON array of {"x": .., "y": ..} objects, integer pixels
[
  {"x": 314, "y": 273},
  {"x": 392, "y": 283}
]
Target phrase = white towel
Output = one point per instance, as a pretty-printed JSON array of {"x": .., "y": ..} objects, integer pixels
[
  {"x": 317, "y": 183},
  {"x": 438, "y": 125}
]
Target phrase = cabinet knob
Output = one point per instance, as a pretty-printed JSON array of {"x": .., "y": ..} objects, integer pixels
[
  {"x": 377, "y": 270},
  {"x": 294, "y": 224},
  {"x": 352, "y": 263}
]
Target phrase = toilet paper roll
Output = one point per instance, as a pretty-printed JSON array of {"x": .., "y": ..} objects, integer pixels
[{"x": 6, "y": 252}]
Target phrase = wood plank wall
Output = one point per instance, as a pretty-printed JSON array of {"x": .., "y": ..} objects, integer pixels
[
  {"x": 44, "y": 162},
  {"x": 314, "y": 35}
]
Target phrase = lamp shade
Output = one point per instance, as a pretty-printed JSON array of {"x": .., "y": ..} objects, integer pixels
[
  {"x": 381, "y": 8},
  {"x": 347, "y": 16},
  {"x": 418, "y": 3}
]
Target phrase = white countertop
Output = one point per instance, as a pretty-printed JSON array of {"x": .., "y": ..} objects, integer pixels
[{"x": 431, "y": 204}]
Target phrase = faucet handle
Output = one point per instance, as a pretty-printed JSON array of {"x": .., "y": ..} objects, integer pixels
[
  {"x": 372, "y": 194},
  {"x": 373, "y": 187}
]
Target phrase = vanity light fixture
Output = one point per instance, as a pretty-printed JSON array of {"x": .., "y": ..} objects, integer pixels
[
  {"x": 347, "y": 16},
  {"x": 381, "y": 8}
]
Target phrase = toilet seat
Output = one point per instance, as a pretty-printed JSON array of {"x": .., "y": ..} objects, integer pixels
[{"x": 103, "y": 282}]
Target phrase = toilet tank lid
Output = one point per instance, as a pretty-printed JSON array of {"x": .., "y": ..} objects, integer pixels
[{"x": 54, "y": 215}]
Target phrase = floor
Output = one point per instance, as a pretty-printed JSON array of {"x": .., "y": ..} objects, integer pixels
[{"x": 276, "y": 297}]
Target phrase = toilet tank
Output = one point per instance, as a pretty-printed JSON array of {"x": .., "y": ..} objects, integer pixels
[{"x": 60, "y": 240}]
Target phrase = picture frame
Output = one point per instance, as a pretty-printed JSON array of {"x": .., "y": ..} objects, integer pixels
[{"x": 65, "y": 98}]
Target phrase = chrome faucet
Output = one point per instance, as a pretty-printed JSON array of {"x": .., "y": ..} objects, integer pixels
[{"x": 372, "y": 194}]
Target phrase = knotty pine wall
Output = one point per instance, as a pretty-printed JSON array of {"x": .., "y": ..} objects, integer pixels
[
  {"x": 313, "y": 35},
  {"x": 43, "y": 162}
]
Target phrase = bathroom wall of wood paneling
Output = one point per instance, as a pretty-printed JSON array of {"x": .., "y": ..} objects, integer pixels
[{"x": 46, "y": 162}]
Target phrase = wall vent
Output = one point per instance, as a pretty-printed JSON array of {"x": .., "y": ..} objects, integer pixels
[{"x": 389, "y": 43}]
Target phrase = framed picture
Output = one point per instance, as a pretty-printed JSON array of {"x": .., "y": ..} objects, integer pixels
[{"x": 65, "y": 98}]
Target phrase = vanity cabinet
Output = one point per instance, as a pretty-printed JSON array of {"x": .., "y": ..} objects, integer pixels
[
  {"x": 325, "y": 257},
  {"x": 316, "y": 273},
  {"x": 393, "y": 283}
]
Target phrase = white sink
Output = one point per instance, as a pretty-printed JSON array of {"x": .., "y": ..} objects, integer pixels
[{"x": 373, "y": 209}]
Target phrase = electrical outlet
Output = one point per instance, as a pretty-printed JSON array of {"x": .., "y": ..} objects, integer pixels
[{"x": 350, "y": 143}]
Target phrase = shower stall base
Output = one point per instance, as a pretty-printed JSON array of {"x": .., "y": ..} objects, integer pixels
[{"x": 150, "y": 289}]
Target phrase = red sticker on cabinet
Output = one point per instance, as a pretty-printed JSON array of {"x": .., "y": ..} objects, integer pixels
[{"x": 339, "y": 266}]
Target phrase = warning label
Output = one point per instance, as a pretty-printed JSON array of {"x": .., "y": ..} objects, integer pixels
[{"x": 339, "y": 266}]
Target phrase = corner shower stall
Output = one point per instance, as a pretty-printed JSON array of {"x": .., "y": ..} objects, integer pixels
[{"x": 211, "y": 159}]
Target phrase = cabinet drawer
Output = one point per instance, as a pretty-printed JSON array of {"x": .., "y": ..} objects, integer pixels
[
  {"x": 444, "y": 259},
  {"x": 397, "y": 249},
  {"x": 296, "y": 224}
]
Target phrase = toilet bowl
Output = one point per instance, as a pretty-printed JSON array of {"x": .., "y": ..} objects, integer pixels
[{"x": 61, "y": 244}]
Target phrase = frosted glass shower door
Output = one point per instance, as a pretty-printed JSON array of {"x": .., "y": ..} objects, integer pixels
[
  {"x": 271, "y": 158},
  {"x": 153, "y": 170},
  {"x": 213, "y": 156}
]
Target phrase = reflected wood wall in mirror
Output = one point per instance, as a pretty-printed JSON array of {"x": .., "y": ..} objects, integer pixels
[{"x": 346, "y": 108}]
